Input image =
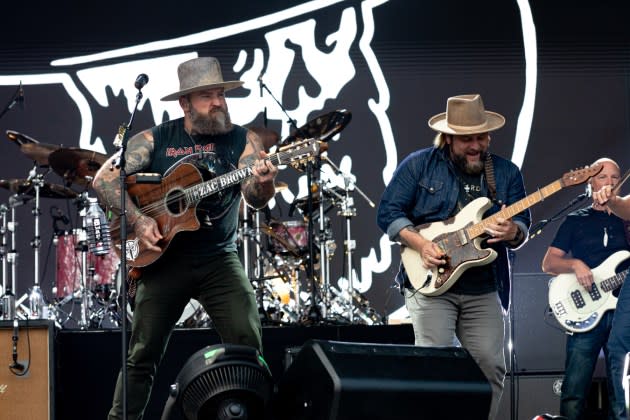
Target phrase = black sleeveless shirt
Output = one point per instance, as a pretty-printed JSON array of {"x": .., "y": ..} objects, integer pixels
[{"x": 212, "y": 155}]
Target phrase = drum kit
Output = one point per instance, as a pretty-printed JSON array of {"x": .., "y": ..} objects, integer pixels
[
  {"x": 288, "y": 261},
  {"x": 80, "y": 277}
]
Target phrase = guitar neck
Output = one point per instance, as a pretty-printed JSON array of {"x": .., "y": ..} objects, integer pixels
[
  {"x": 615, "y": 281},
  {"x": 478, "y": 229},
  {"x": 198, "y": 192}
]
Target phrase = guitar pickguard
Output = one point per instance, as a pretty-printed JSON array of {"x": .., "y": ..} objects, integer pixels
[{"x": 457, "y": 254}]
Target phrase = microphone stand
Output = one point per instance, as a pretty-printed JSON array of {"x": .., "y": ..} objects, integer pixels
[
  {"x": 15, "y": 99},
  {"x": 538, "y": 227},
  {"x": 121, "y": 142},
  {"x": 313, "y": 314},
  {"x": 292, "y": 123}
]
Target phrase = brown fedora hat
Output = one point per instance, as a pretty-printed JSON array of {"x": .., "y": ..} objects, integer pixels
[
  {"x": 199, "y": 74},
  {"x": 465, "y": 114}
]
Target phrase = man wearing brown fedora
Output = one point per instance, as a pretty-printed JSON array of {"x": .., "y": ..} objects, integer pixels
[
  {"x": 431, "y": 186},
  {"x": 201, "y": 264}
]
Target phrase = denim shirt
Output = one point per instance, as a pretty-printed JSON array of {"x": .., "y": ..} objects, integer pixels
[{"x": 425, "y": 189}]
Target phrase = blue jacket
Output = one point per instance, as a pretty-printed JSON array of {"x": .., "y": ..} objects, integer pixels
[{"x": 425, "y": 189}]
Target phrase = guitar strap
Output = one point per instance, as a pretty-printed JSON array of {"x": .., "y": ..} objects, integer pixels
[{"x": 492, "y": 183}]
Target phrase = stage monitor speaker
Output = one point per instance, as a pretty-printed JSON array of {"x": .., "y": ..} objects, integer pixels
[
  {"x": 346, "y": 381},
  {"x": 28, "y": 397}
]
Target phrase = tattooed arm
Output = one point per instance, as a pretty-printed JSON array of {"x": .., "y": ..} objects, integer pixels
[
  {"x": 106, "y": 183},
  {"x": 259, "y": 189}
]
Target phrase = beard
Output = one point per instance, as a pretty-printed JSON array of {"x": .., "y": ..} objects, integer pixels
[
  {"x": 214, "y": 123},
  {"x": 470, "y": 168}
]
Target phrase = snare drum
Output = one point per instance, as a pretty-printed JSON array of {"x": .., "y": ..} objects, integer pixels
[
  {"x": 69, "y": 264},
  {"x": 290, "y": 237}
]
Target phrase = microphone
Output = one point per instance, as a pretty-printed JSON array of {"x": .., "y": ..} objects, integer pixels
[
  {"x": 98, "y": 235},
  {"x": 260, "y": 82},
  {"x": 15, "y": 365},
  {"x": 141, "y": 80}
]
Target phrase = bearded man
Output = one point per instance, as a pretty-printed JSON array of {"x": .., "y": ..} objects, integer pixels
[
  {"x": 201, "y": 264},
  {"x": 433, "y": 185}
]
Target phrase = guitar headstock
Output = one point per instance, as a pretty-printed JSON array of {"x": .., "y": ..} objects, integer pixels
[
  {"x": 580, "y": 176},
  {"x": 297, "y": 154}
]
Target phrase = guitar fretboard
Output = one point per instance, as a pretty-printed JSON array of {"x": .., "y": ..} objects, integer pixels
[
  {"x": 478, "y": 229},
  {"x": 615, "y": 281},
  {"x": 198, "y": 192}
]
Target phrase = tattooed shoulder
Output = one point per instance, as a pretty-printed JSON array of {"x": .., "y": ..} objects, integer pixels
[{"x": 139, "y": 151}]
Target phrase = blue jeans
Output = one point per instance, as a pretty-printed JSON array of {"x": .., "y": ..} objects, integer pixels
[
  {"x": 582, "y": 352},
  {"x": 618, "y": 346}
]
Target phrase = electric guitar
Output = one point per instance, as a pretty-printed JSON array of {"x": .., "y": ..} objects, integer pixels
[
  {"x": 172, "y": 202},
  {"x": 460, "y": 237},
  {"x": 580, "y": 310}
]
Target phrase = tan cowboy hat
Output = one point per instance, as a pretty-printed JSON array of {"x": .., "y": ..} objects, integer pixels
[
  {"x": 199, "y": 74},
  {"x": 465, "y": 114}
]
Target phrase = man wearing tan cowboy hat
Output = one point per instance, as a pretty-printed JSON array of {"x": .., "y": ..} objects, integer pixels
[
  {"x": 201, "y": 264},
  {"x": 432, "y": 185}
]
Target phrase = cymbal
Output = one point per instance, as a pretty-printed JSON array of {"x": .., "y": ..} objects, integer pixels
[
  {"x": 76, "y": 165},
  {"x": 27, "y": 187},
  {"x": 20, "y": 138},
  {"x": 323, "y": 127},
  {"x": 39, "y": 152}
]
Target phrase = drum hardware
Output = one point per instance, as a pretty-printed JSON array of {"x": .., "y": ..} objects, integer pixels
[{"x": 348, "y": 211}]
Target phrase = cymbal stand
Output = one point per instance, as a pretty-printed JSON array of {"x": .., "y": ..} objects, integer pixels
[
  {"x": 82, "y": 246},
  {"x": 348, "y": 211},
  {"x": 327, "y": 248},
  {"x": 36, "y": 300},
  {"x": 8, "y": 300},
  {"x": 6, "y": 303}
]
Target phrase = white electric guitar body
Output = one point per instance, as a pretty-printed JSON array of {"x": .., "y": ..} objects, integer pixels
[
  {"x": 460, "y": 237},
  {"x": 580, "y": 310}
]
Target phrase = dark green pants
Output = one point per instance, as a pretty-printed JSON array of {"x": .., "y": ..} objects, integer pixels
[{"x": 220, "y": 285}]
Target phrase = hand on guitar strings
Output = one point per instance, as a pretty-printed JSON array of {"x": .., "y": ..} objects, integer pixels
[
  {"x": 432, "y": 255},
  {"x": 147, "y": 232},
  {"x": 264, "y": 171},
  {"x": 583, "y": 274},
  {"x": 502, "y": 230}
]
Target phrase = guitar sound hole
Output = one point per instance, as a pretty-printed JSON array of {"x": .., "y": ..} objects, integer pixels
[{"x": 176, "y": 202}]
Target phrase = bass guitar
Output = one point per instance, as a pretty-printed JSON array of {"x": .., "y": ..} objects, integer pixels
[
  {"x": 580, "y": 310},
  {"x": 460, "y": 237},
  {"x": 172, "y": 202}
]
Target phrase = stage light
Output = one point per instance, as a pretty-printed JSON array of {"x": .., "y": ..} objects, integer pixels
[{"x": 224, "y": 381}]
